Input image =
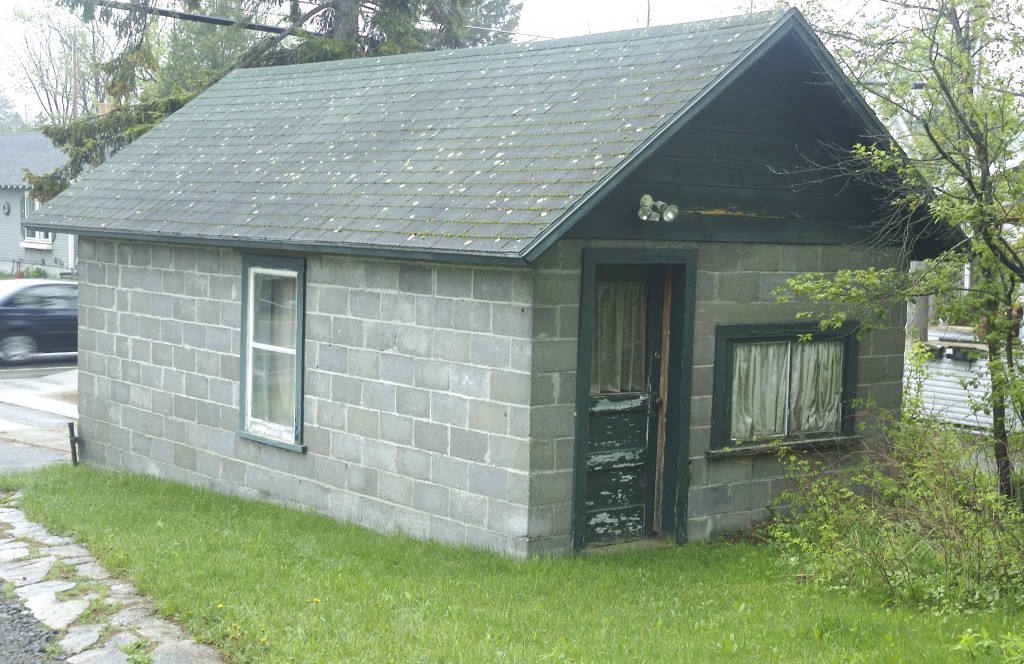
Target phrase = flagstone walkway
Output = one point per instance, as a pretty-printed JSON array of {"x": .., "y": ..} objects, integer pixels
[{"x": 101, "y": 620}]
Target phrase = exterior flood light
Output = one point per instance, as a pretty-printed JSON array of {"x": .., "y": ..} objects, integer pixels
[{"x": 652, "y": 210}]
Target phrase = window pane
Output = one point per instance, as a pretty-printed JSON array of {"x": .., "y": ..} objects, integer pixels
[
  {"x": 274, "y": 315},
  {"x": 618, "y": 358},
  {"x": 760, "y": 378},
  {"x": 816, "y": 386},
  {"x": 273, "y": 387}
]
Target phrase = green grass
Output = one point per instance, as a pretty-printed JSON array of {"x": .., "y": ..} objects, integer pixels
[{"x": 268, "y": 584}]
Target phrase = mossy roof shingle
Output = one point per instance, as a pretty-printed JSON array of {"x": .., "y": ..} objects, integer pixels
[
  {"x": 26, "y": 149},
  {"x": 475, "y": 152}
]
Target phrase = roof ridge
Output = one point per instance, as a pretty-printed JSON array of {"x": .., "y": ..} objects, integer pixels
[{"x": 618, "y": 37}]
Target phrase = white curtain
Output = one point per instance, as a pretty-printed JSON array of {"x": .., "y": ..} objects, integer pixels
[
  {"x": 786, "y": 388},
  {"x": 759, "y": 390},
  {"x": 619, "y": 349},
  {"x": 816, "y": 387}
]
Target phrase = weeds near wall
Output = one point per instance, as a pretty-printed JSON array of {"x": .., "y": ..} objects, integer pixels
[{"x": 919, "y": 519}]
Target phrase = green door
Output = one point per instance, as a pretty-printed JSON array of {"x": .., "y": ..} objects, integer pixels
[{"x": 625, "y": 406}]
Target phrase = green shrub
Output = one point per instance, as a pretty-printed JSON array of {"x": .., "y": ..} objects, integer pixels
[
  {"x": 36, "y": 273},
  {"x": 921, "y": 521}
]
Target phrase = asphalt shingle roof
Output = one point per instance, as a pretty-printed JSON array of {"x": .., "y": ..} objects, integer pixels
[
  {"x": 477, "y": 151},
  {"x": 26, "y": 149}
]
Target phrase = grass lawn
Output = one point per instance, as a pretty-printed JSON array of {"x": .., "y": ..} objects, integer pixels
[{"x": 267, "y": 584}]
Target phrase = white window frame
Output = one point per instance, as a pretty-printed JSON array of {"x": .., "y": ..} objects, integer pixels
[
  {"x": 34, "y": 239},
  {"x": 251, "y": 426}
]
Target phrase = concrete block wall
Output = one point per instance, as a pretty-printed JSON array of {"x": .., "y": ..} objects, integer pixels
[
  {"x": 735, "y": 284},
  {"x": 439, "y": 398},
  {"x": 730, "y": 494},
  {"x": 553, "y": 415},
  {"x": 416, "y": 398}
]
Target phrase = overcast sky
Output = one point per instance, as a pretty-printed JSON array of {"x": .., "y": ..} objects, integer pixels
[{"x": 541, "y": 18}]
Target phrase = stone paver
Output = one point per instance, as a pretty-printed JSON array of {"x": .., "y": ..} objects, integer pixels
[{"x": 27, "y": 554}]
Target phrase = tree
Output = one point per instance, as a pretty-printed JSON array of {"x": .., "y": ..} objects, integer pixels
[
  {"x": 195, "y": 53},
  {"x": 60, "y": 61},
  {"x": 9, "y": 118},
  {"x": 946, "y": 76}
]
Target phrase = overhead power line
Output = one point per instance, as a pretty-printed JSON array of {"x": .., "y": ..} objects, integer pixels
[{"x": 187, "y": 16}]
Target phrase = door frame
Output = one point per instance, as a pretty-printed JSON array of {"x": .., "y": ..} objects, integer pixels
[{"x": 675, "y": 480}]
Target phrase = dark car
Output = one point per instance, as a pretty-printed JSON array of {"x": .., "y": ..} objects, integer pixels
[{"x": 37, "y": 316}]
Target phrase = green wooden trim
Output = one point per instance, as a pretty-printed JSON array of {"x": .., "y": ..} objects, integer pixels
[
  {"x": 727, "y": 335},
  {"x": 297, "y": 265},
  {"x": 241, "y": 433},
  {"x": 680, "y": 372},
  {"x": 789, "y": 24},
  {"x": 810, "y": 444},
  {"x": 723, "y": 228},
  {"x": 680, "y": 383}
]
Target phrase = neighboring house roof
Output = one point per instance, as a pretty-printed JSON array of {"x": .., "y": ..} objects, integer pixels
[
  {"x": 486, "y": 153},
  {"x": 26, "y": 149}
]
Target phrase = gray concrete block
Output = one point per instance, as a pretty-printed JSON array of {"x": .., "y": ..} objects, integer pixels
[
  {"x": 395, "y": 488},
  {"x": 415, "y": 341},
  {"x": 378, "y": 396},
  {"x": 396, "y": 428},
  {"x": 512, "y": 520},
  {"x": 431, "y": 436},
  {"x": 413, "y": 463},
  {"x": 362, "y": 480},
  {"x": 468, "y": 444},
  {"x": 415, "y": 278},
  {"x": 454, "y": 282},
  {"x": 363, "y": 422},
  {"x": 382, "y": 275},
  {"x": 554, "y": 355},
  {"x": 738, "y": 286},
  {"x": 364, "y": 305},
  {"x": 347, "y": 331},
  {"x": 435, "y": 312},
  {"x": 447, "y": 531},
  {"x": 431, "y": 498},
  {"x": 509, "y": 452},
  {"x": 395, "y": 368},
  {"x": 450, "y": 346},
  {"x": 729, "y": 471},
  {"x": 398, "y": 308},
  {"x": 449, "y": 409},
  {"x": 468, "y": 508},
  {"x": 512, "y": 320},
  {"x": 708, "y": 500},
  {"x": 448, "y": 471},
  {"x": 492, "y": 285},
  {"x": 488, "y": 416},
  {"x": 490, "y": 351},
  {"x": 471, "y": 381},
  {"x": 552, "y": 421},
  {"x": 488, "y": 481},
  {"x": 412, "y": 402}
]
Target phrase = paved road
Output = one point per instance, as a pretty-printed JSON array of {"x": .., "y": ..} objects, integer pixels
[{"x": 36, "y": 404}]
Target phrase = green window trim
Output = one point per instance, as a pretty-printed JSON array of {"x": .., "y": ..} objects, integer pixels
[
  {"x": 727, "y": 337},
  {"x": 273, "y": 314}
]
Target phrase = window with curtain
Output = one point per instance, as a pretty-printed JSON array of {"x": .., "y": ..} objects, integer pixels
[
  {"x": 273, "y": 292},
  {"x": 620, "y": 338},
  {"x": 770, "y": 385}
]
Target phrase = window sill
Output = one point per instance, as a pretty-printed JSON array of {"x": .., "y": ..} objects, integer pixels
[
  {"x": 29, "y": 244},
  {"x": 755, "y": 449},
  {"x": 291, "y": 447}
]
